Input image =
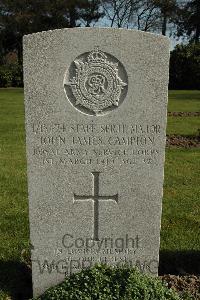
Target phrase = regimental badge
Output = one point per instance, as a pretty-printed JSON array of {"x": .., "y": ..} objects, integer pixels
[{"x": 96, "y": 84}]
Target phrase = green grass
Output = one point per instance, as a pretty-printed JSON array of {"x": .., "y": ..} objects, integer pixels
[
  {"x": 184, "y": 101},
  {"x": 13, "y": 185},
  {"x": 13, "y": 190},
  {"x": 183, "y": 125},
  {"x": 181, "y": 208}
]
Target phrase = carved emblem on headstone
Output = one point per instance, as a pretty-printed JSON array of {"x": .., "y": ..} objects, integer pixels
[{"x": 96, "y": 84}]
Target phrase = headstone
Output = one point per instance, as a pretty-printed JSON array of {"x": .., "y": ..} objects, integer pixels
[{"x": 96, "y": 104}]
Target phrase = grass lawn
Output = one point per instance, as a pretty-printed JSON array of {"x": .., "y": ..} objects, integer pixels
[
  {"x": 13, "y": 184},
  {"x": 181, "y": 208},
  {"x": 13, "y": 190},
  {"x": 184, "y": 101},
  {"x": 183, "y": 125}
]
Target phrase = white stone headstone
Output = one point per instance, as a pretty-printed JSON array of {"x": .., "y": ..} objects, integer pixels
[{"x": 96, "y": 106}]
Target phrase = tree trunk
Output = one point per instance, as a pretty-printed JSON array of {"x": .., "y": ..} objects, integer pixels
[
  {"x": 19, "y": 52},
  {"x": 197, "y": 34},
  {"x": 164, "y": 25},
  {"x": 72, "y": 13}
]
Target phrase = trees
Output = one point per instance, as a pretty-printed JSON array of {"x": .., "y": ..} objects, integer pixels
[
  {"x": 119, "y": 12},
  {"x": 147, "y": 15},
  {"x": 16, "y": 19},
  {"x": 188, "y": 21},
  {"x": 21, "y": 17},
  {"x": 131, "y": 13},
  {"x": 91, "y": 12},
  {"x": 185, "y": 67},
  {"x": 167, "y": 10}
]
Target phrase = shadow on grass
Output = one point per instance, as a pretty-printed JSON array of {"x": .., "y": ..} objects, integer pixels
[
  {"x": 15, "y": 280},
  {"x": 179, "y": 262}
]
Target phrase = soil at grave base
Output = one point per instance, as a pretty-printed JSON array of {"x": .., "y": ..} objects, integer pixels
[
  {"x": 186, "y": 283},
  {"x": 183, "y": 114},
  {"x": 177, "y": 141}
]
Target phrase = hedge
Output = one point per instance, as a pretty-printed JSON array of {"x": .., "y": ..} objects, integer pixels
[{"x": 11, "y": 75}]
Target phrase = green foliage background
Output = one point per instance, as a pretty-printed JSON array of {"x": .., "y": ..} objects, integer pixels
[
  {"x": 185, "y": 67},
  {"x": 11, "y": 75}
]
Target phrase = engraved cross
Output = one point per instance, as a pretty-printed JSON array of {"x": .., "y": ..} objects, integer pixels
[{"x": 96, "y": 198}]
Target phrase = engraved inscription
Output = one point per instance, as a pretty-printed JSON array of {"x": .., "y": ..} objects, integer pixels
[
  {"x": 96, "y": 198},
  {"x": 96, "y": 82},
  {"x": 93, "y": 144}
]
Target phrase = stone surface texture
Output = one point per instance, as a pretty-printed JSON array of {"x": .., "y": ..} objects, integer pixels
[{"x": 96, "y": 106}]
